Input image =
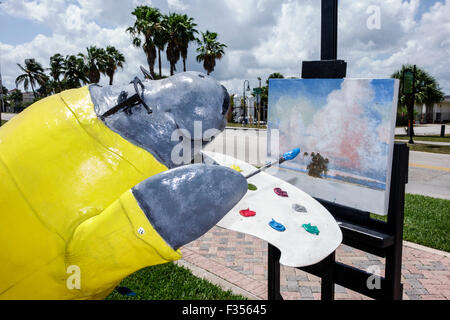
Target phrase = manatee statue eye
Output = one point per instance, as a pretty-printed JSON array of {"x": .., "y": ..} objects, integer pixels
[{"x": 226, "y": 101}]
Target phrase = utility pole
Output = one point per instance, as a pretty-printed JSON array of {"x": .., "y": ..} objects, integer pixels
[
  {"x": 259, "y": 102},
  {"x": 248, "y": 89}
]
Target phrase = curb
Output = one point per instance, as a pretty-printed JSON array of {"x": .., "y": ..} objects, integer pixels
[
  {"x": 222, "y": 283},
  {"x": 224, "y": 276},
  {"x": 431, "y": 143},
  {"x": 426, "y": 249}
]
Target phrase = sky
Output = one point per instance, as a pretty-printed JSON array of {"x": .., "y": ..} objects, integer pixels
[
  {"x": 349, "y": 121},
  {"x": 263, "y": 36}
]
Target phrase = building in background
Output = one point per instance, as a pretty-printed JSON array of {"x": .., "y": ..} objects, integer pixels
[
  {"x": 28, "y": 98},
  {"x": 251, "y": 106},
  {"x": 438, "y": 113}
]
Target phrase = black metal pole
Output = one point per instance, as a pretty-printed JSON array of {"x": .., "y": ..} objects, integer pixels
[
  {"x": 411, "y": 106},
  {"x": 329, "y": 30},
  {"x": 244, "y": 101},
  {"x": 245, "y": 111},
  {"x": 328, "y": 66},
  {"x": 273, "y": 273},
  {"x": 393, "y": 268}
]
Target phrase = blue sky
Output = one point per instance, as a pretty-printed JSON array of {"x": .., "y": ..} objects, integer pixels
[
  {"x": 263, "y": 36},
  {"x": 19, "y": 30}
]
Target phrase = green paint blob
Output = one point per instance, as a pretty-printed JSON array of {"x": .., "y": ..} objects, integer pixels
[
  {"x": 311, "y": 229},
  {"x": 252, "y": 187}
]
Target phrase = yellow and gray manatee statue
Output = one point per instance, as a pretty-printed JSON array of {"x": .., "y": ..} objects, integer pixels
[{"x": 92, "y": 187}]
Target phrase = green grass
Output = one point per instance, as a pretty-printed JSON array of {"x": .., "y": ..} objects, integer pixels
[
  {"x": 427, "y": 221},
  {"x": 3, "y": 122},
  {"x": 429, "y": 148},
  {"x": 170, "y": 282},
  {"x": 435, "y": 138}
]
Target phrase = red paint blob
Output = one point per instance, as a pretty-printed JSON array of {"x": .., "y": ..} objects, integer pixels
[{"x": 247, "y": 213}]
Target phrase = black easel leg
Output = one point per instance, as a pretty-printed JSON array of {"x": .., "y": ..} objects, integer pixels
[
  {"x": 327, "y": 283},
  {"x": 273, "y": 273}
]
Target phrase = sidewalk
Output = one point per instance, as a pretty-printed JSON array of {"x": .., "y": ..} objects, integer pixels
[
  {"x": 8, "y": 116},
  {"x": 239, "y": 262}
]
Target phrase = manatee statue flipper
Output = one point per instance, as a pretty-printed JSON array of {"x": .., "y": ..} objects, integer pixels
[
  {"x": 148, "y": 223},
  {"x": 184, "y": 203}
]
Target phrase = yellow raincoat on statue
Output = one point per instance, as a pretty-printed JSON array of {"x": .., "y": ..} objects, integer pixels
[{"x": 71, "y": 227}]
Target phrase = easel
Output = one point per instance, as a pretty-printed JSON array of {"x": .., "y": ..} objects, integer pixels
[{"x": 383, "y": 239}]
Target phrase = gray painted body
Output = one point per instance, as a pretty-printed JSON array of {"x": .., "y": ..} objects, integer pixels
[{"x": 185, "y": 202}]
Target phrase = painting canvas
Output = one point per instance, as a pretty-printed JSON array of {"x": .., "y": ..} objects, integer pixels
[{"x": 345, "y": 129}]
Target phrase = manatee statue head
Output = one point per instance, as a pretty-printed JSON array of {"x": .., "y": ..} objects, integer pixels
[{"x": 180, "y": 114}]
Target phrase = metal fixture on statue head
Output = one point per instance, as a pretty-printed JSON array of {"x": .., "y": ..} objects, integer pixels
[{"x": 90, "y": 191}]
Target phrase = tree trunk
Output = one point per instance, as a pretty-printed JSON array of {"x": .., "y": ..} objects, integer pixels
[
  {"x": 32, "y": 87},
  {"x": 111, "y": 79},
  {"x": 151, "y": 67},
  {"x": 171, "y": 69},
  {"x": 159, "y": 61},
  {"x": 184, "y": 64}
]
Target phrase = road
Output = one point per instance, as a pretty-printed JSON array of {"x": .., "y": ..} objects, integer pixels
[{"x": 429, "y": 173}]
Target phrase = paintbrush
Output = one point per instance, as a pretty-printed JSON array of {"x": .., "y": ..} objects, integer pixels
[{"x": 285, "y": 157}]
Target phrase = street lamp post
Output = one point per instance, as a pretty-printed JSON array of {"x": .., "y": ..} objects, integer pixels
[
  {"x": 259, "y": 102},
  {"x": 248, "y": 89},
  {"x": 409, "y": 90}
]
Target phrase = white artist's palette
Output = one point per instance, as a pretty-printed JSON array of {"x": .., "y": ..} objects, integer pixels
[{"x": 298, "y": 247}]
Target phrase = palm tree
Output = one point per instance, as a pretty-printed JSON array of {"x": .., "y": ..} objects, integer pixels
[
  {"x": 147, "y": 24},
  {"x": 187, "y": 34},
  {"x": 275, "y": 75},
  {"x": 160, "y": 39},
  {"x": 74, "y": 72},
  {"x": 47, "y": 87},
  {"x": 173, "y": 24},
  {"x": 56, "y": 66},
  {"x": 113, "y": 60},
  {"x": 210, "y": 50},
  {"x": 94, "y": 61},
  {"x": 56, "y": 70},
  {"x": 15, "y": 98},
  {"x": 427, "y": 90},
  {"x": 33, "y": 74}
]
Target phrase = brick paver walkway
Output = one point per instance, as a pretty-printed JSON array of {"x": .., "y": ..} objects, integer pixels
[{"x": 241, "y": 259}]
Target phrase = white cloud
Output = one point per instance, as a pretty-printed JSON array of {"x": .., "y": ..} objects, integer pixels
[{"x": 263, "y": 36}]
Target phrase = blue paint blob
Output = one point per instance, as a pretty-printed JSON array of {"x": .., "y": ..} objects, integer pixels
[{"x": 277, "y": 226}]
